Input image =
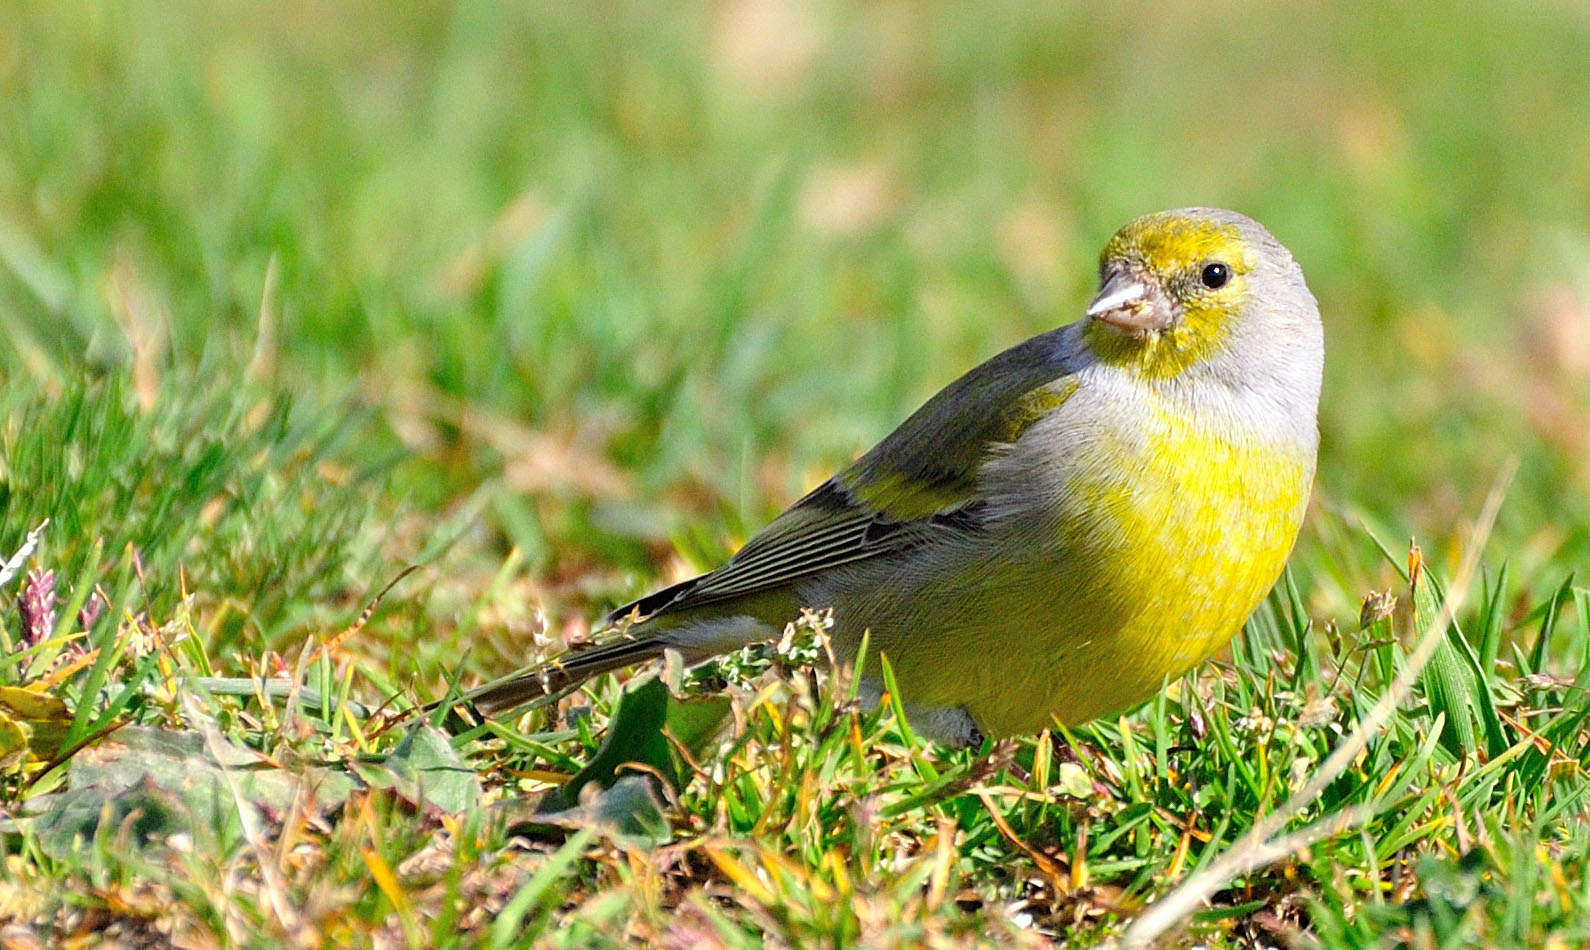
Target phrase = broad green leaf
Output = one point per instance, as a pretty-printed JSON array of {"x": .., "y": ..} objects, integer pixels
[
  {"x": 636, "y": 736},
  {"x": 425, "y": 769},
  {"x": 165, "y": 782},
  {"x": 628, "y": 813}
]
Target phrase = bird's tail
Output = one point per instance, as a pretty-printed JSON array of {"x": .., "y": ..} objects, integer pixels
[{"x": 554, "y": 676}]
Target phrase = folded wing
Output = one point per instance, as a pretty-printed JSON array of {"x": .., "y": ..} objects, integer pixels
[{"x": 917, "y": 482}]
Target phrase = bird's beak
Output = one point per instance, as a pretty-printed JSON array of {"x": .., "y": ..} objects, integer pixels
[{"x": 1128, "y": 303}]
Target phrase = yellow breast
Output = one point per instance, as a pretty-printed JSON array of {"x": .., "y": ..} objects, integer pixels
[{"x": 1162, "y": 567}]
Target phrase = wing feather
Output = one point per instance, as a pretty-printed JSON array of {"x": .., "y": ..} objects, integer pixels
[{"x": 918, "y": 482}]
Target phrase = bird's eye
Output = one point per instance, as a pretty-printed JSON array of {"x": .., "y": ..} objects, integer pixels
[{"x": 1215, "y": 276}]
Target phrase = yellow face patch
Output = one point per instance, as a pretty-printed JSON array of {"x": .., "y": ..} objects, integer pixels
[
  {"x": 1172, "y": 253},
  {"x": 1171, "y": 243}
]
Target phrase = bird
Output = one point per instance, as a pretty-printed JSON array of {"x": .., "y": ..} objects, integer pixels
[{"x": 1055, "y": 533}]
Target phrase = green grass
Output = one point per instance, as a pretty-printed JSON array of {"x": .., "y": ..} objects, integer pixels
[{"x": 558, "y": 302}]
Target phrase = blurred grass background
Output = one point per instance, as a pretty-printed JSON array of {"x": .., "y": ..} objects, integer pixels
[
  {"x": 613, "y": 275},
  {"x": 560, "y": 300}
]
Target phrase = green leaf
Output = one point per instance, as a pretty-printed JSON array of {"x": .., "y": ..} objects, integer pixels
[
  {"x": 1449, "y": 684},
  {"x": 153, "y": 783},
  {"x": 425, "y": 769},
  {"x": 636, "y": 737},
  {"x": 628, "y": 813},
  {"x": 1075, "y": 781}
]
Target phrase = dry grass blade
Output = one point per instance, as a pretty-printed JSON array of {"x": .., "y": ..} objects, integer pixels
[
  {"x": 1260, "y": 847},
  {"x": 1054, "y": 870},
  {"x": 332, "y": 644}
]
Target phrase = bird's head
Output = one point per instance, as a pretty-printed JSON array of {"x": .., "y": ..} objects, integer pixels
[{"x": 1178, "y": 287}]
